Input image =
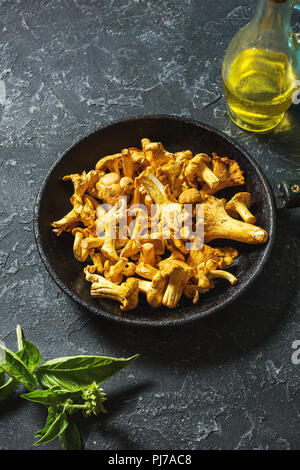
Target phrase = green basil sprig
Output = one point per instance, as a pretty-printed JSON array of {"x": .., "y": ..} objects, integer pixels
[{"x": 69, "y": 384}]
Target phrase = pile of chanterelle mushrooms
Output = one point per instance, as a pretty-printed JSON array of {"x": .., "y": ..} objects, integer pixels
[{"x": 157, "y": 262}]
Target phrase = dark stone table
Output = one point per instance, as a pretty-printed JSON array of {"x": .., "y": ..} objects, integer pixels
[{"x": 74, "y": 65}]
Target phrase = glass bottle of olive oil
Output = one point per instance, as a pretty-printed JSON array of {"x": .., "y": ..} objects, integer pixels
[{"x": 261, "y": 68}]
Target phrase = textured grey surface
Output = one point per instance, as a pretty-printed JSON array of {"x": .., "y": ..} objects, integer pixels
[{"x": 70, "y": 67}]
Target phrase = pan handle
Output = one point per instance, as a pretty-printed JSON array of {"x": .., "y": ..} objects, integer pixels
[{"x": 289, "y": 193}]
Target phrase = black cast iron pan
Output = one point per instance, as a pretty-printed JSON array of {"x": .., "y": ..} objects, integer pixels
[{"x": 175, "y": 134}]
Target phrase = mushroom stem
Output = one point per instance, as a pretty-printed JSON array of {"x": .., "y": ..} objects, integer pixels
[
  {"x": 90, "y": 243},
  {"x": 241, "y": 232},
  {"x": 97, "y": 260},
  {"x": 109, "y": 245},
  {"x": 218, "y": 273},
  {"x": 245, "y": 214},
  {"x": 208, "y": 176},
  {"x": 144, "y": 286},
  {"x": 127, "y": 163}
]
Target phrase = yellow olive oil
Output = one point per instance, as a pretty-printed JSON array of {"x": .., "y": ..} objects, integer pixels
[{"x": 259, "y": 88}]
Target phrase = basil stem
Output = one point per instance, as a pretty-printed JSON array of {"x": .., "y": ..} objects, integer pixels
[{"x": 19, "y": 337}]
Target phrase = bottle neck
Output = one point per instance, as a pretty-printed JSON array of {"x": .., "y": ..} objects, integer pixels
[{"x": 275, "y": 13}]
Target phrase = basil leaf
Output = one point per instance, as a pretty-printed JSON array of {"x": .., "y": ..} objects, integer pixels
[
  {"x": 50, "y": 397},
  {"x": 30, "y": 355},
  {"x": 54, "y": 428},
  {"x": 78, "y": 372},
  {"x": 52, "y": 414},
  {"x": 16, "y": 368},
  {"x": 2, "y": 377},
  {"x": 70, "y": 438},
  {"x": 8, "y": 387}
]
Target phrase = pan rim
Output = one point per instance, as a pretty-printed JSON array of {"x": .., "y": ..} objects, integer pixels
[{"x": 157, "y": 323}]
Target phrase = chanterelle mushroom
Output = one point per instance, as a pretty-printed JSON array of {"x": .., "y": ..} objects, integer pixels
[
  {"x": 80, "y": 253},
  {"x": 155, "y": 153},
  {"x": 126, "y": 293},
  {"x": 208, "y": 271},
  {"x": 108, "y": 188},
  {"x": 84, "y": 182},
  {"x": 219, "y": 224},
  {"x": 205, "y": 264},
  {"x": 83, "y": 208},
  {"x": 110, "y": 163},
  {"x": 115, "y": 272},
  {"x": 67, "y": 221},
  {"x": 223, "y": 256},
  {"x": 81, "y": 212},
  {"x": 154, "y": 290},
  {"x": 198, "y": 171},
  {"x": 171, "y": 175},
  {"x": 139, "y": 160},
  {"x": 227, "y": 171},
  {"x": 98, "y": 260},
  {"x": 178, "y": 274},
  {"x": 239, "y": 205}
]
